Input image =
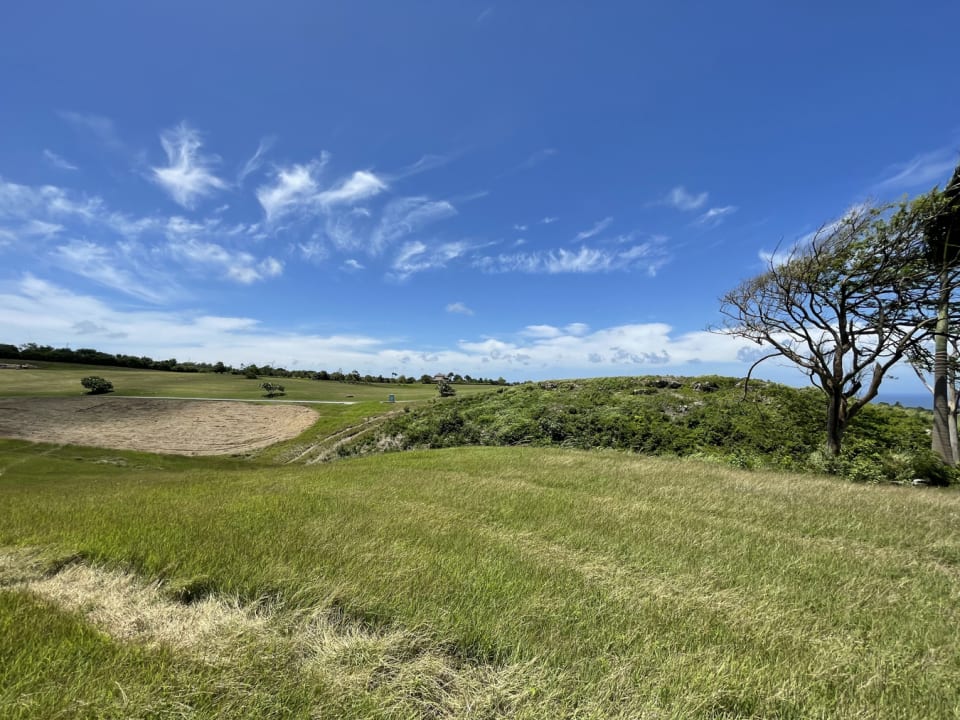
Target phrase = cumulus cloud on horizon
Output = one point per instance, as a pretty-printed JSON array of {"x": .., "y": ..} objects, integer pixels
[{"x": 41, "y": 311}]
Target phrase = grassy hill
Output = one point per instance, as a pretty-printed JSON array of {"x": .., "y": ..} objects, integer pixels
[
  {"x": 771, "y": 426},
  {"x": 581, "y": 568}
]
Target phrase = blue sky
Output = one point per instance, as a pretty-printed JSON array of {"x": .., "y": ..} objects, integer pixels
[{"x": 525, "y": 190}]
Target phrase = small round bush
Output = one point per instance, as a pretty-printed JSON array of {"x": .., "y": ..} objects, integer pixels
[{"x": 96, "y": 385}]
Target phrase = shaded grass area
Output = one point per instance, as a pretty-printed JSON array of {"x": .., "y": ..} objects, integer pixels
[
  {"x": 63, "y": 379},
  {"x": 624, "y": 586}
]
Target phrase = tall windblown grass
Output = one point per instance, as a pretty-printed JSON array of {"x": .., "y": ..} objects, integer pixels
[{"x": 500, "y": 582}]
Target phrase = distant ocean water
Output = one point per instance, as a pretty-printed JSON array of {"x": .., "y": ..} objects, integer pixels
[{"x": 924, "y": 400}]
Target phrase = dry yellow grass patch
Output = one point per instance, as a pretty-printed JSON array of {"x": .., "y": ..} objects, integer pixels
[
  {"x": 180, "y": 427},
  {"x": 408, "y": 672}
]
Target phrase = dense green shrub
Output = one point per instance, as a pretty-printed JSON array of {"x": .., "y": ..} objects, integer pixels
[
  {"x": 96, "y": 385},
  {"x": 771, "y": 426},
  {"x": 272, "y": 389},
  {"x": 927, "y": 465}
]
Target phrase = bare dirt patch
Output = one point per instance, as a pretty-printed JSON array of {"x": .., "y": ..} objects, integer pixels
[{"x": 180, "y": 427}]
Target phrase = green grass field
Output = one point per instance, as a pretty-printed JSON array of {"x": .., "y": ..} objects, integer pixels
[
  {"x": 481, "y": 582},
  {"x": 63, "y": 379},
  {"x": 477, "y": 582}
]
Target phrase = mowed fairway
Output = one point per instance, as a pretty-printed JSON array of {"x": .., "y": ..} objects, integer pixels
[
  {"x": 480, "y": 582},
  {"x": 63, "y": 379}
]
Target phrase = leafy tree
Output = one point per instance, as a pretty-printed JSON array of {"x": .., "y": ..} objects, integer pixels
[
  {"x": 844, "y": 309},
  {"x": 272, "y": 389},
  {"x": 445, "y": 388},
  {"x": 96, "y": 385},
  {"x": 220, "y": 368}
]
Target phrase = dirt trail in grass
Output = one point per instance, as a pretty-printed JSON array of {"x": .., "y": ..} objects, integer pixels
[
  {"x": 180, "y": 427},
  {"x": 326, "y": 448}
]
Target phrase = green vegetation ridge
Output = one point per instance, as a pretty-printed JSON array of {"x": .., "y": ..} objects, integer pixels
[{"x": 769, "y": 426}]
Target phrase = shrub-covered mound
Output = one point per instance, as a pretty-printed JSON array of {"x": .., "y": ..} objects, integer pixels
[{"x": 770, "y": 425}]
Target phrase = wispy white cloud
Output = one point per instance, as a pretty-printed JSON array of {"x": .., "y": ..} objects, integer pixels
[
  {"x": 270, "y": 267},
  {"x": 585, "y": 260},
  {"x": 715, "y": 216},
  {"x": 239, "y": 266},
  {"x": 598, "y": 227},
  {"x": 293, "y": 188},
  {"x": 104, "y": 265},
  {"x": 532, "y": 160},
  {"x": 58, "y": 161},
  {"x": 541, "y": 331},
  {"x": 424, "y": 164},
  {"x": 459, "y": 308},
  {"x": 405, "y": 216},
  {"x": 351, "y": 265},
  {"x": 350, "y": 230},
  {"x": 359, "y": 186},
  {"x": 485, "y": 15},
  {"x": 101, "y": 127},
  {"x": 549, "y": 220},
  {"x": 40, "y": 228},
  {"x": 415, "y": 256},
  {"x": 256, "y": 160},
  {"x": 683, "y": 200},
  {"x": 313, "y": 250},
  {"x": 187, "y": 177},
  {"x": 924, "y": 170},
  {"x": 30, "y": 201},
  {"x": 296, "y": 189},
  {"x": 131, "y": 254},
  {"x": 649, "y": 256}
]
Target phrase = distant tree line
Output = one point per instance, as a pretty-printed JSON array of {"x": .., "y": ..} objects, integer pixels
[{"x": 89, "y": 356}]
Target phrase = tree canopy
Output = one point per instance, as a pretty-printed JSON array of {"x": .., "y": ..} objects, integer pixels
[{"x": 844, "y": 308}]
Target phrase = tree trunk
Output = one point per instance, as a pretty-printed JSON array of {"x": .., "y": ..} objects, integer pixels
[
  {"x": 836, "y": 422},
  {"x": 940, "y": 441},
  {"x": 952, "y": 418}
]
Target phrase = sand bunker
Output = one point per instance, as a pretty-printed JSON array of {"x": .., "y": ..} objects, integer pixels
[{"x": 181, "y": 427}]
